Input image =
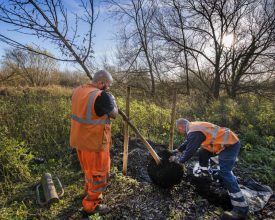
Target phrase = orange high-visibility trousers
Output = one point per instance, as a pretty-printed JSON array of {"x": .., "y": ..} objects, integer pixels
[{"x": 96, "y": 167}]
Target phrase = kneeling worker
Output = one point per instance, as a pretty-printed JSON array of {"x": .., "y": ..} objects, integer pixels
[{"x": 218, "y": 140}]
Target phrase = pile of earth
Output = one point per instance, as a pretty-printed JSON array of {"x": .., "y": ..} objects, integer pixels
[
  {"x": 189, "y": 199},
  {"x": 149, "y": 201}
]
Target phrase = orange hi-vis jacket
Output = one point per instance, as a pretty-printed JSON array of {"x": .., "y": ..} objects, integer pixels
[
  {"x": 217, "y": 138},
  {"x": 89, "y": 132}
]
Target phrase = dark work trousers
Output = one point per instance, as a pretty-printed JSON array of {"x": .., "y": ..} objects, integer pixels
[
  {"x": 204, "y": 156},
  {"x": 227, "y": 159}
]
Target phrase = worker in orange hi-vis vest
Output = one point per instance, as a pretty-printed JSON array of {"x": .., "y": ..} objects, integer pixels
[
  {"x": 214, "y": 140},
  {"x": 92, "y": 108}
]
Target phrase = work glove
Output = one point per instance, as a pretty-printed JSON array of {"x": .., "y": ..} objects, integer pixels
[
  {"x": 182, "y": 147},
  {"x": 173, "y": 159},
  {"x": 174, "y": 152}
]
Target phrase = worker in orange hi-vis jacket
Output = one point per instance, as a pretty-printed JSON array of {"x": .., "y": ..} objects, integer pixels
[
  {"x": 92, "y": 109},
  {"x": 217, "y": 140}
]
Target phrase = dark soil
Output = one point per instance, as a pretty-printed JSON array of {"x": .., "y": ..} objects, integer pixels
[
  {"x": 166, "y": 174},
  {"x": 137, "y": 197}
]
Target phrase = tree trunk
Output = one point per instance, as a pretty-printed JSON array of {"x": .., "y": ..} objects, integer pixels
[
  {"x": 216, "y": 86},
  {"x": 187, "y": 74}
]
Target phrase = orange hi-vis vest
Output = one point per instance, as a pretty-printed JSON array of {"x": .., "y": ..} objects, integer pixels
[
  {"x": 89, "y": 132},
  {"x": 216, "y": 137}
]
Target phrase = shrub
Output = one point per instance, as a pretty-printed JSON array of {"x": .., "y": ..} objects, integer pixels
[
  {"x": 224, "y": 112},
  {"x": 152, "y": 121},
  {"x": 13, "y": 160},
  {"x": 257, "y": 112},
  {"x": 40, "y": 118},
  {"x": 260, "y": 161}
]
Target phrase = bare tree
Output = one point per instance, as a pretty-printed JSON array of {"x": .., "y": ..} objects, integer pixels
[
  {"x": 49, "y": 20},
  {"x": 201, "y": 30},
  {"x": 136, "y": 38},
  {"x": 251, "y": 62},
  {"x": 171, "y": 21},
  {"x": 205, "y": 27},
  {"x": 6, "y": 74},
  {"x": 35, "y": 70}
]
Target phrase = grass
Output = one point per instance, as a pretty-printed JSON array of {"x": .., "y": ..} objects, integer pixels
[{"x": 35, "y": 122}]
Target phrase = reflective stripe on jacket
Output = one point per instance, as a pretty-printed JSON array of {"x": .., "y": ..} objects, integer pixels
[
  {"x": 89, "y": 132},
  {"x": 216, "y": 137}
]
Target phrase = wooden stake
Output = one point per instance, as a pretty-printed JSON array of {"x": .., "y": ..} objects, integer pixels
[
  {"x": 173, "y": 115},
  {"x": 126, "y": 132}
]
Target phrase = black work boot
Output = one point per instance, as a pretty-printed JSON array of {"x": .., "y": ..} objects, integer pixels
[
  {"x": 100, "y": 209},
  {"x": 233, "y": 215}
]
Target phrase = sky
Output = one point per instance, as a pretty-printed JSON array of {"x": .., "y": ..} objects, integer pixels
[{"x": 104, "y": 30}]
